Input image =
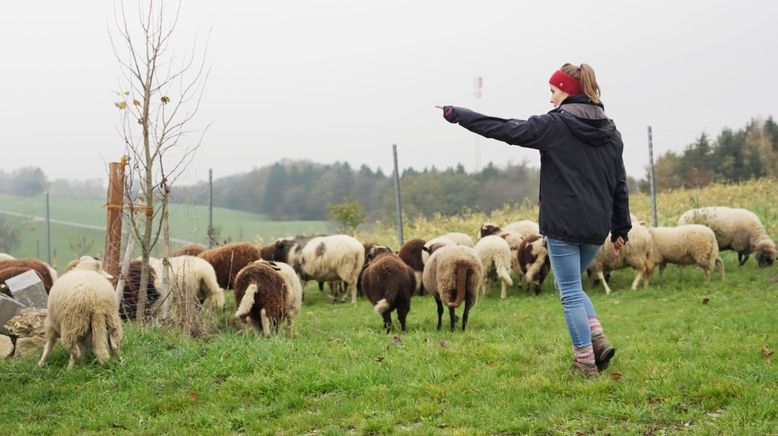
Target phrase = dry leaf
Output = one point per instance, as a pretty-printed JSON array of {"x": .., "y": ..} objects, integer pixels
[
  {"x": 165, "y": 99},
  {"x": 121, "y": 104},
  {"x": 379, "y": 358},
  {"x": 193, "y": 396},
  {"x": 705, "y": 300},
  {"x": 616, "y": 376},
  {"x": 443, "y": 343},
  {"x": 126, "y": 92},
  {"x": 396, "y": 340},
  {"x": 136, "y": 102},
  {"x": 766, "y": 352}
]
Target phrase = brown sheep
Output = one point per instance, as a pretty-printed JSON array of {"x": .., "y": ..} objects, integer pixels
[
  {"x": 128, "y": 307},
  {"x": 267, "y": 251},
  {"x": 452, "y": 274},
  {"x": 189, "y": 250},
  {"x": 533, "y": 261},
  {"x": 41, "y": 268},
  {"x": 260, "y": 296},
  {"x": 389, "y": 284},
  {"x": 410, "y": 253},
  {"x": 229, "y": 259}
]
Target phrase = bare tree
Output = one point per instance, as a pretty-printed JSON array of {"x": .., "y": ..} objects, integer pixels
[{"x": 158, "y": 98}]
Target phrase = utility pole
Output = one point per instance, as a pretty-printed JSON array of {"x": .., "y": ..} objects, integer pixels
[
  {"x": 397, "y": 197},
  {"x": 210, "y": 207},
  {"x": 48, "y": 231},
  {"x": 478, "y": 84}
]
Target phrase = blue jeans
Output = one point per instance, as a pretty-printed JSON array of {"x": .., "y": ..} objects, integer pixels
[{"x": 568, "y": 261}]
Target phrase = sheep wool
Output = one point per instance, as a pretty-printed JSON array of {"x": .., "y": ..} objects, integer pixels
[
  {"x": 82, "y": 311},
  {"x": 411, "y": 254},
  {"x": 635, "y": 254},
  {"x": 452, "y": 274},
  {"x": 260, "y": 296},
  {"x": 495, "y": 255},
  {"x": 229, "y": 259},
  {"x": 389, "y": 284},
  {"x": 689, "y": 244}
]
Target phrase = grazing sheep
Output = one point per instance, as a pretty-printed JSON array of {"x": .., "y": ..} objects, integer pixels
[
  {"x": 532, "y": 261},
  {"x": 189, "y": 250},
  {"x": 294, "y": 291},
  {"x": 267, "y": 251},
  {"x": 690, "y": 244},
  {"x": 389, "y": 284},
  {"x": 229, "y": 259},
  {"x": 192, "y": 275},
  {"x": 495, "y": 255},
  {"x": 82, "y": 310},
  {"x": 452, "y": 274},
  {"x": 325, "y": 258},
  {"x": 525, "y": 228},
  {"x": 44, "y": 271},
  {"x": 129, "y": 304},
  {"x": 261, "y": 296},
  {"x": 411, "y": 254},
  {"x": 637, "y": 253},
  {"x": 736, "y": 229},
  {"x": 488, "y": 229},
  {"x": 460, "y": 238}
]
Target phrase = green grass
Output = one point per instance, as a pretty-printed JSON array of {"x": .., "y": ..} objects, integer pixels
[
  {"x": 684, "y": 366},
  {"x": 187, "y": 222}
]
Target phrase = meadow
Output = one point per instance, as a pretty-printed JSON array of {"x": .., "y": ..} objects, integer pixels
[{"x": 691, "y": 358}]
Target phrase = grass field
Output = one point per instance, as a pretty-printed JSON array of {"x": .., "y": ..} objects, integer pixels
[
  {"x": 187, "y": 222},
  {"x": 681, "y": 366}
]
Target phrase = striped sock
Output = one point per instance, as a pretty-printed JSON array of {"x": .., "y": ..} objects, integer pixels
[
  {"x": 584, "y": 355},
  {"x": 594, "y": 326}
]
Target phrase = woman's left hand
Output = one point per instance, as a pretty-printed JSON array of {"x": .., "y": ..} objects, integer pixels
[{"x": 618, "y": 244}]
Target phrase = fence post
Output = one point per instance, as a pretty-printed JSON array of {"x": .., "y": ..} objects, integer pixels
[
  {"x": 652, "y": 175},
  {"x": 210, "y": 207},
  {"x": 113, "y": 231},
  {"x": 397, "y": 196}
]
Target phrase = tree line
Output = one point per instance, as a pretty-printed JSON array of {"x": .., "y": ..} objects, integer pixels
[{"x": 734, "y": 155}]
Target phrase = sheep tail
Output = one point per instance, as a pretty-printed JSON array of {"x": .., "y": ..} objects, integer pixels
[
  {"x": 720, "y": 266},
  {"x": 100, "y": 336},
  {"x": 504, "y": 274},
  {"x": 461, "y": 277},
  {"x": 247, "y": 301},
  {"x": 113, "y": 324},
  {"x": 381, "y": 306},
  {"x": 215, "y": 292}
]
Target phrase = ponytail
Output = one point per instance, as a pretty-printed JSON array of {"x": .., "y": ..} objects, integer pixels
[{"x": 585, "y": 76}]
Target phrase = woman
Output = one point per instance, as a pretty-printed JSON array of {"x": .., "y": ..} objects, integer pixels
[{"x": 583, "y": 193}]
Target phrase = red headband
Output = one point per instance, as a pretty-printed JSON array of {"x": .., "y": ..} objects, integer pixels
[{"x": 565, "y": 82}]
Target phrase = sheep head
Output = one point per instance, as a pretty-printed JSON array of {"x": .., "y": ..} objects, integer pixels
[{"x": 765, "y": 253}]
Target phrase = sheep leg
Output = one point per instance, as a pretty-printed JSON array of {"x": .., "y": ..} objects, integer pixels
[
  {"x": 289, "y": 327},
  {"x": 636, "y": 281},
  {"x": 50, "y": 338},
  {"x": 387, "y": 315},
  {"x": 265, "y": 321},
  {"x": 440, "y": 311},
  {"x": 353, "y": 287},
  {"x": 453, "y": 317},
  {"x": 742, "y": 258},
  {"x": 75, "y": 355},
  {"x": 503, "y": 290},
  {"x": 601, "y": 277},
  {"x": 467, "y": 312},
  {"x": 402, "y": 313},
  {"x": 720, "y": 265}
]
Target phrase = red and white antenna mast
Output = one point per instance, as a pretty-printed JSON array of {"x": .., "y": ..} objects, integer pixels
[{"x": 477, "y": 90}]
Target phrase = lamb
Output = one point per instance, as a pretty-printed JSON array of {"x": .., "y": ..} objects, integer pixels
[
  {"x": 44, "y": 271},
  {"x": 495, "y": 255},
  {"x": 637, "y": 253},
  {"x": 294, "y": 291},
  {"x": 193, "y": 276},
  {"x": 82, "y": 309},
  {"x": 389, "y": 284},
  {"x": 129, "y": 304},
  {"x": 261, "y": 296},
  {"x": 460, "y": 238},
  {"x": 325, "y": 258},
  {"x": 229, "y": 259},
  {"x": 690, "y": 244},
  {"x": 411, "y": 254},
  {"x": 532, "y": 261},
  {"x": 736, "y": 229},
  {"x": 189, "y": 250},
  {"x": 433, "y": 244},
  {"x": 452, "y": 274}
]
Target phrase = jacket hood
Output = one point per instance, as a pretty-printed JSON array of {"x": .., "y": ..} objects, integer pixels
[{"x": 586, "y": 120}]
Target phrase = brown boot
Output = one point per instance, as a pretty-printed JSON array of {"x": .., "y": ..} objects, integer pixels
[
  {"x": 587, "y": 370},
  {"x": 603, "y": 351}
]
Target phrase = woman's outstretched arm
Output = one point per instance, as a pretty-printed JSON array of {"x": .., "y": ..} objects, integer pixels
[{"x": 525, "y": 133}]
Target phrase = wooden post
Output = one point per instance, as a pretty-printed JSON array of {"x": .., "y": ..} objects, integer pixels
[
  {"x": 113, "y": 230},
  {"x": 398, "y": 204}
]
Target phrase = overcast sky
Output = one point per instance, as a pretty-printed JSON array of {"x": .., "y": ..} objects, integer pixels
[{"x": 344, "y": 80}]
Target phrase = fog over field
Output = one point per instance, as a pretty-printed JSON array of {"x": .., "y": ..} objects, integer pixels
[{"x": 343, "y": 81}]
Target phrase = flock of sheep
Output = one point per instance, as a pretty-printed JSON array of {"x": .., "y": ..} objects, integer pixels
[{"x": 268, "y": 282}]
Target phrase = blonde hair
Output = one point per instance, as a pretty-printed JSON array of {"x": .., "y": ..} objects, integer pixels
[{"x": 585, "y": 76}]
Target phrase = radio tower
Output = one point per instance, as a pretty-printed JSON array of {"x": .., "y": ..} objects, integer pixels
[{"x": 478, "y": 86}]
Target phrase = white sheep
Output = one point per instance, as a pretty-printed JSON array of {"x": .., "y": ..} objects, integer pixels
[
  {"x": 495, "y": 255},
  {"x": 452, "y": 274},
  {"x": 324, "y": 258},
  {"x": 433, "y": 244},
  {"x": 82, "y": 310},
  {"x": 460, "y": 238},
  {"x": 690, "y": 244},
  {"x": 6, "y": 256},
  {"x": 736, "y": 229},
  {"x": 524, "y": 227},
  {"x": 193, "y": 276},
  {"x": 636, "y": 254}
]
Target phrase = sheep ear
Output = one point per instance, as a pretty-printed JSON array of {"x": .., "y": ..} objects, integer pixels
[{"x": 427, "y": 249}]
